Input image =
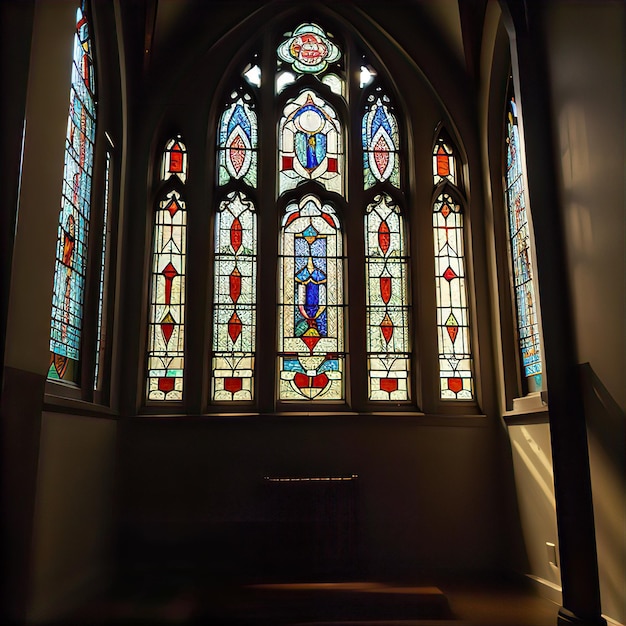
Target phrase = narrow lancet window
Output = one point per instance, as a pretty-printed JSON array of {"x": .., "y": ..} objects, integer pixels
[
  {"x": 519, "y": 237},
  {"x": 453, "y": 318},
  {"x": 311, "y": 305},
  {"x": 387, "y": 292},
  {"x": 455, "y": 359},
  {"x": 166, "y": 338},
  {"x": 234, "y": 299},
  {"x": 235, "y": 254},
  {"x": 71, "y": 252}
]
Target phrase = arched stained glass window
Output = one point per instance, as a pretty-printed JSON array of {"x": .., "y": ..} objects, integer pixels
[
  {"x": 453, "y": 323},
  {"x": 310, "y": 144},
  {"x": 166, "y": 338},
  {"x": 387, "y": 289},
  {"x": 71, "y": 250},
  {"x": 311, "y": 308},
  {"x": 380, "y": 139},
  {"x": 321, "y": 97},
  {"x": 235, "y": 255},
  {"x": 234, "y": 297},
  {"x": 519, "y": 236},
  {"x": 238, "y": 141},
  {"x": 455, "y": 359}
]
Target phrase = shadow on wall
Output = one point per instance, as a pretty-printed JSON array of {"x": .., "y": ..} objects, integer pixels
[
  {"x": 606, "y": 420},
  {"x": 606, "y": 426}
]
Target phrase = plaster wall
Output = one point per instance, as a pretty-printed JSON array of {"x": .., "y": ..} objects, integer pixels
[
  {"x": 426, "y": 498},
  {"x": 72, "y": 539},
  {"x": 586, "y": 45}
]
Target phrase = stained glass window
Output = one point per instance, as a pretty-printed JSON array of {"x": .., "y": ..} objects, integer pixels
[
  {"x": 455, "y": 359},
  {"x": 379, "y": 132},
  {"x": 103, "y": 258},
  {"x": 238, "y": 141},
  {"x": 444, "y": 165},
  {"x": 166, "y": 338},
  {"x": 308, "y": 49},
  {"x": 311, "y": 308},
  {"x": 71, "y": 250},
  {"x": 310, "y": 144},
  {"x": 234, "y": 299},
  {"x": 387, "y": 285},
  {"x": 519, "y": 233}
]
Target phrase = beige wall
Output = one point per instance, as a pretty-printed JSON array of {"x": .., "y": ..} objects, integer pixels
[
  {"x": 30, "y": 304},
  {"x": 534, "y": 481},
  {"x": 529, "y": 441},
  {"x": 587, "y": 63}
]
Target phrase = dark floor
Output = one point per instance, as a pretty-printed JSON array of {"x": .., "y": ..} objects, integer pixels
[{"x": 449, "y": 603}]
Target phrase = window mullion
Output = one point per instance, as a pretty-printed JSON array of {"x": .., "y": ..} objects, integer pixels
[
  {"x": 355, "y": 249},
  {"x": 267, "y": 234}
]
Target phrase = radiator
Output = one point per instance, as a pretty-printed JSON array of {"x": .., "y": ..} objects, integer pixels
[{"x": 313, "y": 526}]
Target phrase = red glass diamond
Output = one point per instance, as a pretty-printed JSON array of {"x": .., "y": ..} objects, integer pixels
[
  {"x": 386, "y": 326},
  {"x": 237, "y": 153},
  {"x": 235, "y": 234},
  {"x": 381, "y": 155},
  {"x": 235, "y": 285},
  {"x": 449, "y": 274},
  {"x": 453, "y": 331},
  {"x": 445, "y": 210},
  {"x": 384, "y": 238},
  {"x": 173, "y": 207},
  {"x": 167, "y": 327},
  {"x": 234, "y": 327}
]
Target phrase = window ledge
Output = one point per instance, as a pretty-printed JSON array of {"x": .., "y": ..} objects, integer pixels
[
  {"x": 414, "y": 417},
  {"x": 530, "y": 409},
  {"x": 73, "y": 406}
]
